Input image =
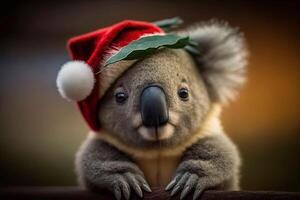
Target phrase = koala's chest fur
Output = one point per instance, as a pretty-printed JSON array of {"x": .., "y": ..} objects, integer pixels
[
  {"x": 158, "y": 170},
  {"x": 158, "y": 166}
]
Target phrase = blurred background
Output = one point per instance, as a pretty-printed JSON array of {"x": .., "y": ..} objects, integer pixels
[{"x": 40, "y": 132}]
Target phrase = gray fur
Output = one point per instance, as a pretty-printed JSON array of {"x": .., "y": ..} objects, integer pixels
[
  {"x": 212, "y": 162},
  {"x": 101, "y": 166},
  {"x": 223, "y": 58}
]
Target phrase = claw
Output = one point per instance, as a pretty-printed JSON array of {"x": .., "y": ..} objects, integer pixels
[
  {"x": 189, "y": 185},
  {"x": 125, "y": 189},
  {"x": 146, "y": 187},
  {"x": 180, "y": 183},
  {"x": 173, "y": 182},
  {"x": 185, "y": 192},
  {"x": 143, "y": 183},
  {"x": 170, "y": 185},
  {"x": 197, "y": 193},
  {"x": 117, "y": 193},
  {"x": 175, "y": 190},
  {"x": 138, "y": 190},
  {"x": 134, "y": 184}
]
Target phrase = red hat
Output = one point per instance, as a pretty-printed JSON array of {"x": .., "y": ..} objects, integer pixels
[{"x": 79, "y": 81}]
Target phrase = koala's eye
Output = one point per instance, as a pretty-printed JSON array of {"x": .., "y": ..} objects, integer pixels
[
  {"x": 183, "y": 93},
  {"x": 121, "y": 97}
]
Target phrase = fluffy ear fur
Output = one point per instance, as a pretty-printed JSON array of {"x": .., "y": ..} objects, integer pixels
[{"x": 222, "y": 59}]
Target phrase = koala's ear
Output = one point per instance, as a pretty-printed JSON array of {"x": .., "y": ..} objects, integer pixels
[{"x": 222, "y": 59}]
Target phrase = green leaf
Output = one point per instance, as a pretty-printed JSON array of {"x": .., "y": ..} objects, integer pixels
[
  {"x": 193, "y": 48},
  {"x": 147, "y": 45},
  {"x": 167, "y": 24}
]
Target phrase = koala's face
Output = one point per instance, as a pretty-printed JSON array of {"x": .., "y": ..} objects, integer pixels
[{"x": 160, "y": 100}]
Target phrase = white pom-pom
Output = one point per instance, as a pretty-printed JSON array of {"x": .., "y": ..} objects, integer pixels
[{"x": 75, "y": 80}]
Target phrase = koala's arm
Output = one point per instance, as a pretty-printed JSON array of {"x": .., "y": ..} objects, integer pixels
[
  {"x": 211, "y": 163},
  {"x": 101, "y": 166}
]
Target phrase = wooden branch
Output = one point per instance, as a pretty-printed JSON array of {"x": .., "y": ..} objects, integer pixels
[{"x": 74, "y": 193}]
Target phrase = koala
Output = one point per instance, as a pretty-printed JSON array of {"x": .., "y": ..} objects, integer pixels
[{"x": 160, "y": 120}]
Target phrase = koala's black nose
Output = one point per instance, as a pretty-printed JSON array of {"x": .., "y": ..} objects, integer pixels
[{"x": 154, "y": 107}]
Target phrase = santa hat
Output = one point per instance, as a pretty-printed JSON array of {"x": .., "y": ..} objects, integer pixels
[{"x": 79, "y": 80}]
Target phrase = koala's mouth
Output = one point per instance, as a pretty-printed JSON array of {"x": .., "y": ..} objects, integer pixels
[{"x": 156, "y": 133}]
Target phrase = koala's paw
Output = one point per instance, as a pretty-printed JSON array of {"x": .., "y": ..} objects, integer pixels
[
  {"x": 123, "y": 183},
  {"x": 187, "y": 182}
]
